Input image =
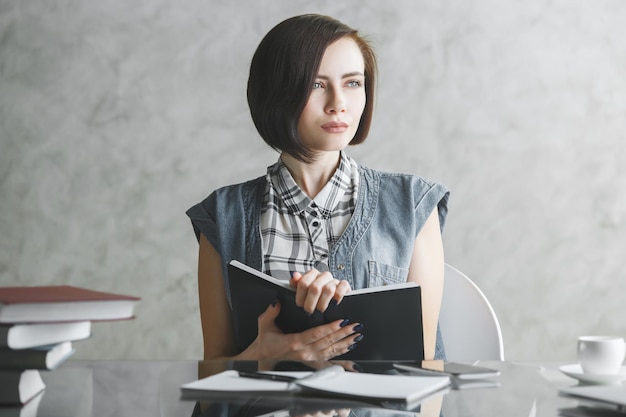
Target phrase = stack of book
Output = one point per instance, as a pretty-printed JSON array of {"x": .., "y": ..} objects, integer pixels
[{"x": 38, "y": 328}]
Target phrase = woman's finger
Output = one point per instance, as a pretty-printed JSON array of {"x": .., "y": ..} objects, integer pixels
[
  {"x": 266, "y": 321},
  {"x": 327, "y": 293},
  {"x": 311, "y": 287},
  {"x": 343, "y": 288}
]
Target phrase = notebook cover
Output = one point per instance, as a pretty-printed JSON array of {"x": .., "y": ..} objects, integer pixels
[{"x": 392, "y": 317}]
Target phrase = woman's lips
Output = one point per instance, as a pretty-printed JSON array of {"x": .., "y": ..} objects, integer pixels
[{"x": 335, "y": 127}]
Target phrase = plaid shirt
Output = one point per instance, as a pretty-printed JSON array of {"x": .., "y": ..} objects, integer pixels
[{"x": 297, "y": 232}]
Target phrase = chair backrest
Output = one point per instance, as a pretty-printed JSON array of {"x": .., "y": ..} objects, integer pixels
[{"x": 468, "y": 323}]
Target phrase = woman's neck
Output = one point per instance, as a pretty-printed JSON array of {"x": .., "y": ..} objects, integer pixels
[{"x": 312, "y": 177}]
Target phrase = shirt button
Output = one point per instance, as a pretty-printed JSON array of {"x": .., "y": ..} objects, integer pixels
[
  {"x": 341, "y": 267},
  {"x": 315, "y": 223}
]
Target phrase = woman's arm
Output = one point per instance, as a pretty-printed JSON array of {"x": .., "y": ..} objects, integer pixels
[
  {"x": 214, "y": 309},
  {"x": 319, "y": 343},
  {"x": 426, "y": 269}
]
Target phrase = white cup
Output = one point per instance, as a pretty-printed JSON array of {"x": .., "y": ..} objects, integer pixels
[{"x": 601, "y": 355}]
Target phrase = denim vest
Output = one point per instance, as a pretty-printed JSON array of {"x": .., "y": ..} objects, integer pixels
[{"x": 375, "y": 249}]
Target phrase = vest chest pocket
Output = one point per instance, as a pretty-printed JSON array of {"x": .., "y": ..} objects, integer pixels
[{"x": 382, "y": 274}]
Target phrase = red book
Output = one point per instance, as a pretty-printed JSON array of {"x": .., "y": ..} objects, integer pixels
[{"x": 62, "y": 303}]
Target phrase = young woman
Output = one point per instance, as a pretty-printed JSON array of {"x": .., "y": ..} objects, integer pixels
[{"x": 317, "y": 218}]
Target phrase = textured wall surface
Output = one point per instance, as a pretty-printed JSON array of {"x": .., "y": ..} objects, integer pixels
[{"x": 117, "y": 116}]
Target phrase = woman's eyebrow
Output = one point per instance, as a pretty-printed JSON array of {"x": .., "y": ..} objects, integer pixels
[{"x": 347, "y": 75}]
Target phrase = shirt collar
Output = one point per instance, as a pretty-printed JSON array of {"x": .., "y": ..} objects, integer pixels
[{"x": 296, "y": 201}]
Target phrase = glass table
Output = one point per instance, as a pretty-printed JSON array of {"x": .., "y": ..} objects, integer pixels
[{"x": 152, "y": 388}]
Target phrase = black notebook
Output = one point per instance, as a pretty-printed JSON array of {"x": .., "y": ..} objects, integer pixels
[{"x": 391, "y": 314}]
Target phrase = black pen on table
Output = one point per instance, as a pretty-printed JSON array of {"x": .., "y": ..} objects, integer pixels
[
  {"x": 269, "y": 377},
  {"x": 322, "y": 373}
]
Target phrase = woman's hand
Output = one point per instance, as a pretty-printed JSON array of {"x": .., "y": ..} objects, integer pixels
[
  {"x": 315, "y": 290},
  {"x": 316, "y": 344}
]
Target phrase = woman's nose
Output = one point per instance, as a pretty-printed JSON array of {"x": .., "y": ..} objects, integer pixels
[{"x": 336, "y": 103}]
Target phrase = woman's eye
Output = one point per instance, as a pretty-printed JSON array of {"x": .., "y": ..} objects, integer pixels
[
  {"x": 317, "y": 85},
  {"x": 354, "y": 83}
]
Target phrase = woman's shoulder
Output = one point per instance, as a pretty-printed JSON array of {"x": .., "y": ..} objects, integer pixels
[
  {"x": 423, "y": 194},
  {"x": 396, "y": 180},
  {"x": 238, "y": 190},
  {"x": 230, "y": 195}
]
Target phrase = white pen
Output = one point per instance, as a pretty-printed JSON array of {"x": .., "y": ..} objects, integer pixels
[{"x": 324, "y": 373}]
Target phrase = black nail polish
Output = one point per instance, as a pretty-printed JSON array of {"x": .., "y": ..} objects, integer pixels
[
  {"x": 274, "y": 302},
  {"x": 357, "y": 367},
  {"x": 332, "y": 303},
  {"x": 352, "y": 346},
  {"x": 358, "y": 328},
  {"x": 344, "y": 323},
  {"x": 358, "y": 338}
]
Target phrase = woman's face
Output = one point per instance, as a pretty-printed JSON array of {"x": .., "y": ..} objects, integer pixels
[{"x": 331, "y": 117}]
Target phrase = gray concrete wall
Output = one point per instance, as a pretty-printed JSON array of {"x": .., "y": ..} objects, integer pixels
[{"x": 117, "y": 116}]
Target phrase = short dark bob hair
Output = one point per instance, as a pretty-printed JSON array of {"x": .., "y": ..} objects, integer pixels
[{"x": 283, "y": 70}]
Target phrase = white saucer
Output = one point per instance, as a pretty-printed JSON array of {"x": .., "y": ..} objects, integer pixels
[{"x": 575, "y": 371}]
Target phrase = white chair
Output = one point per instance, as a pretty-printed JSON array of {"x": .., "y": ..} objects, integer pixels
[{"x": 468, "y": 323}]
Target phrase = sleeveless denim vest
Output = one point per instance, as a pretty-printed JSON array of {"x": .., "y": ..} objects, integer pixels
[{"x": 375, "y": 249}]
